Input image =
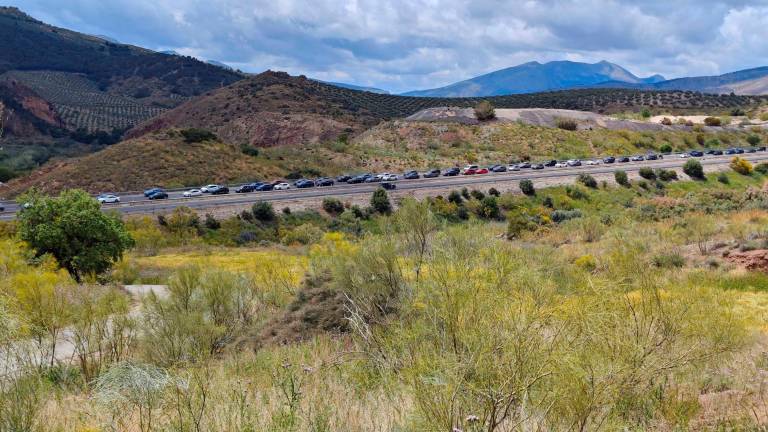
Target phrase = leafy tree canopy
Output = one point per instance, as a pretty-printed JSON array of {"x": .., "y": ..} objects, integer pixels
[{"x": 73, "y": 229}]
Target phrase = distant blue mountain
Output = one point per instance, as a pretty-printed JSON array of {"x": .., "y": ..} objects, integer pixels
[{"x": 535, "y": 77}]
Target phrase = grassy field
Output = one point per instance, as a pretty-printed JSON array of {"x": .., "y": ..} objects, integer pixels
[{"x": 602, "y": 308}]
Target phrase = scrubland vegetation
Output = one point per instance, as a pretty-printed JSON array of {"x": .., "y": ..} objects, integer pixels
[{"x": 583, "y": 307}]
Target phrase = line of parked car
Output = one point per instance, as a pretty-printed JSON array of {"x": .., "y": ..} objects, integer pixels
[{"x": 386, "y": 179}]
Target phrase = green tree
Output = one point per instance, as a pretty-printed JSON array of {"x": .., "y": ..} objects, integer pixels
[
  {"x": 753, "y": 140},
  {"x": 380, "y": 202},
  {"x": 693, "y": 169},
  {"x": 665, "y": 148},
  {"x": 73, "y": 229}
]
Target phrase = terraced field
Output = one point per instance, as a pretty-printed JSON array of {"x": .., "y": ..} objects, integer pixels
[{"x": 81, "y": 104}]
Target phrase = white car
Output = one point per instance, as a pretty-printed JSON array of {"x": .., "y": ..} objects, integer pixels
[
  {"x": 108, "y": 199},
  {"x": 388, "y": 177},
  {"x": 561, "y": 165},
  {"x": 684, "y": 155},
  {"x": 209, "y": 188},
  {"x": 282, "y": 186},
  {"x": 192, "y": 193},
  {"x": 513, "y": 168},
  {"x": 593, "y": 162}
]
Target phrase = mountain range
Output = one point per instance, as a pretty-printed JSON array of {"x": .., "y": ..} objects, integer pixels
[{"x": 535, "y": 77}]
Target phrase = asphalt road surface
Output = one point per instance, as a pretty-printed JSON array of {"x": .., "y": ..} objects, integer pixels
[{"x": 136, "y": 203}]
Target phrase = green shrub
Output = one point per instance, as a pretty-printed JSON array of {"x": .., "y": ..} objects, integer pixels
[
  {"x": 669, "y": 260},
  {"x": 647, "y": 173},
  {"x": 666, "y": 175},
  {"x": 489, "y": 208},
  {"x": 380, "y": 202},
  {"x": 566, "y": 124},
  {"x": 494, "y": 192},
  {"x": 476, "y": 194},
  {"x": 723, "y": 178},
  {"x": 693, "y": 169},
  {"x": 484, "y": 111},
  {"x": 455, "y": 197},
  {"x": 526, "y": 186},
  {"x": 576, "y": 193},
  {"x": 587, "y": 180},
  {"x": 621, "y": 178},
  {"x": 211, "y": 222},
  {"x": 713, "y": 121},
  {"x": 645, "y": 113},
  {"x": 753, "y": 140},
  {"x": 249, "y": 150},
  {"x": 558, "y": 216},
  {"x": 762, "y": 168},
  {"x": 196, "y": 135},
  {"x": 333, "y": 206},
  {"x": 665, "y": 148},
  {"x": 263, "y": 211}
]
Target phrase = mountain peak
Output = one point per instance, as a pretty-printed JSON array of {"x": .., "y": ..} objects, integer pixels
[{"x": 534, "y": 77}]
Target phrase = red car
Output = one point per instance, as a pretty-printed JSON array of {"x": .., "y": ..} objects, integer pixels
[
  {"x": 470, "y": 169},
  {"x": 482, "y": 171}
]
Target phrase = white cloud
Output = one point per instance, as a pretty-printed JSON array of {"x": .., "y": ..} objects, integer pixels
[{"x": 407, "y": 44}]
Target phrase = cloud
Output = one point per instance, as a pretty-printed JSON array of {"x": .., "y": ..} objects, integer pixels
[{"x": 408, "y": 44}]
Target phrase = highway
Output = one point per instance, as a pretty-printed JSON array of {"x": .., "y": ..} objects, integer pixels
[{"x": 136, "y": 203}]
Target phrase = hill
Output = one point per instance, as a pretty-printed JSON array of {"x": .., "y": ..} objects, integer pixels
[
  {"x": 274, "y": 108},
  {"x": 95, "y": 83},
  {"x": 535, "y": 77},
  {"x": 164, "y": 159}
]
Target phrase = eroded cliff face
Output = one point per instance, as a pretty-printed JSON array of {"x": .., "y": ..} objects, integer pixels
[{"x": 23, "y": 113}]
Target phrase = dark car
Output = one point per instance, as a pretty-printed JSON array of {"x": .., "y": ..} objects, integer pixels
[
  {"x": 159, "y": 194},
  {"x": 537, "y": 166},
  {"x": 411, "y": 175},
  {"x": 524, "y": 165},
  {"x": 739, "y": 150},
  {"x": 373, "y": 179},
  {"x": 499, "y": 168},
  {"x": 622, "y": 159},
  {"x": 343, "y": 178},
  {"x": 609, "y": 160},
  {"x": 717, "y": 152},
  {"x": 152, "y": 191},
  {"x": 696, "y": 153},
  {"x": 303, "y": 184},
  {"x": 451, "y": 172},
  {"x": 432, "y": 173},
  {"x": 219, "y": 190},
  {"x": 388, "y": 185},
  {"x": 651, "y": 156},
  {"x": 247, "y": 187},
  {"x": 730, "y": 151},
  {"x": 324, "y": 182},
  {"x": 265, "y": 187},
  {"x": 550, "y": 163},
  {"x": 751, "y": 150},
  {"x": 762, "y": 148}
]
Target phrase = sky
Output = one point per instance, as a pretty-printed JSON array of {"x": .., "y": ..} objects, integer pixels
[{"x": 401, "y": 45}]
